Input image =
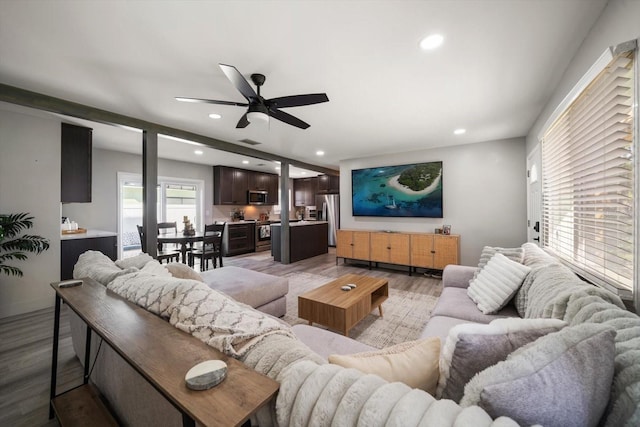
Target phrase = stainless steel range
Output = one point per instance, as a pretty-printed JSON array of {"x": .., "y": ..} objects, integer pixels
[{"x": 263, "y": 235}]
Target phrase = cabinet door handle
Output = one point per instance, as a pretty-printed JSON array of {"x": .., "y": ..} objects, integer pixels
[
  {"x": 433, "y": 252},
  {"x": 388, "y": 247}
]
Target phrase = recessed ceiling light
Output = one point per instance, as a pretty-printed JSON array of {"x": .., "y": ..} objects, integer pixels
[
  {"x": 215, "y": 116},
  {"x": 199, "y": 152},
  {"x": 319, "y": 153},
  {"x": 431, "y": 42},
  {"x": 245, "y": 162},
  {"x": 277, "y": 168},
  {"x": 303, "y": 173},
  {"x": 460, "y": 131}
]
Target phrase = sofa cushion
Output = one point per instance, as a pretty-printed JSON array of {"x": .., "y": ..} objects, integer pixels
[
  {"x": 458, "y": 276},
  {"x": 454, "y": 302},
  {"x": 471, "y": 348},
  {"x": 514, "y": 254},
  {"x": 325, "y": 342},
  {"x": 439, "y": 326},
  {"x": 414, "y": 363},
  {"x": 562, "y": 379},
  {"x": 247, "y": 286},
  {"x": 497, "y": 283}
]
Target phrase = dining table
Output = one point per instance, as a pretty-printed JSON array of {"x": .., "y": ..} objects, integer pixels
[{"x": 182, "y": 240}]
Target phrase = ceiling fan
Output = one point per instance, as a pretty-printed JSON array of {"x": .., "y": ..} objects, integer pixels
[{"x": 261, "y": 109}]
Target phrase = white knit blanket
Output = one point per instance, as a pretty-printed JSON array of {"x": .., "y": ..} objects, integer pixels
[
  {"x": 329, "y": 395},
  {"x": 214, "y": 318}
]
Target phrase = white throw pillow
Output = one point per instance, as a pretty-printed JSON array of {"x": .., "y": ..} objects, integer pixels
[
  {"x": 138, "y": 261},
  {"x": 514, "y": 254},
  {"x": 183, "y": 271},
  {"x": 497, "y": 283},
  {"x": 155, "y": 268}
]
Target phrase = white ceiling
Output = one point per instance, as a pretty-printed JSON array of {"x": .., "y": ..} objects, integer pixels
[{"x": 499, "y": 64}]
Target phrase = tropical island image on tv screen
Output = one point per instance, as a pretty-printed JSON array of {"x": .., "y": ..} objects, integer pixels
[{"x": 413, "y": 190}]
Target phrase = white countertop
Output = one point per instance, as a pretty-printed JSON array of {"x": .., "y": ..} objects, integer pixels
[
  {"x": 301, "y": 223},
  {"x": 90, "y": 234}
]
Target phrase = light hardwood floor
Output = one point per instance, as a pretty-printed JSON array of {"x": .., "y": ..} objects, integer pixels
[{"x": 26, "y": 340}]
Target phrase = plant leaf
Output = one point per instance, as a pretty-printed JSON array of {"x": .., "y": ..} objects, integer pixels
[
  {"x": 11, "y": 271},
  {"x": 12, "y": 224},
  {"x": 26, "y": 243}
]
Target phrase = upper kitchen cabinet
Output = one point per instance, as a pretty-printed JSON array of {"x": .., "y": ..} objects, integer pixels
[
  {"x": 304, "y": 190},
  {"x": 328, "y": 184},
  {"x": 230, "y": 186},
  {"x": 75, "y": 173},
  {"x": 261, "y": 181}
]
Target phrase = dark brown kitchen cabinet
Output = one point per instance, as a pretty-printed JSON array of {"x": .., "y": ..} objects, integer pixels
[
  {"x": 268, "y": 182},
  {"x": 304, "y": 190},
  {"x": 258, "y": 181},
  {"x": 274, "y": 185},
  {"x": 75, "y": 166},
  {"x": 328, "y": 184},
  {"x": 230, "y": 186},
  {"x": 239, "y": 238}
]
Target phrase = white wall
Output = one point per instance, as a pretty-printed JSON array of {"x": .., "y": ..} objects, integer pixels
[
  {"x": 102, "y": 212},
  {"x": 619, "y": 22},
  {"x": 484, "y": 195},
  {"x": 30, "y": 182}
]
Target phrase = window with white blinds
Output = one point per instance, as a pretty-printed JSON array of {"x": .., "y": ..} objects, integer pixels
[{"x": 588, "y": 216}]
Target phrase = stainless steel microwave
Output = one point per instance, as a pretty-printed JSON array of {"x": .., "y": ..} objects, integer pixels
[{"x": 257, "y": 197}]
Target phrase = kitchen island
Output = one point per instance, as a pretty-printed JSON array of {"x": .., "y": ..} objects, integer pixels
[{"x": 306, "y": 239}]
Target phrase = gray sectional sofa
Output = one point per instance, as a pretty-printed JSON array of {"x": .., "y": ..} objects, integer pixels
[
  {"x": 549, "y": 291},
  {"x": 315, "y": 392}
]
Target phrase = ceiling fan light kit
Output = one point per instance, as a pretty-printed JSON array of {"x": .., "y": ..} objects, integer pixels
[
  {"x": 257, "y": 113},
  {"x": 260, "y": 109}
]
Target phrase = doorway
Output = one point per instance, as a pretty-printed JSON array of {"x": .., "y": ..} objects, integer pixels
[{"x": 177, "y": 198}]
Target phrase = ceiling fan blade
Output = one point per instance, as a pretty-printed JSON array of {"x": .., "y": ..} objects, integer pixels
[
  {"x": 243, "y": 122},
  {"x": 211, "y": 101},
  {"x": 298, "y": 100},
  {"x": 239, "y": 81},
  {"x": 287, "y": 118}
]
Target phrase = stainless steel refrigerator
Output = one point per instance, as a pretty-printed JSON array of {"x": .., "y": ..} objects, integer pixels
[{"x": 328, "y": 206}]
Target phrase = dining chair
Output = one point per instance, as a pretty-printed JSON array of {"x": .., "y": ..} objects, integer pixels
[
  {"x": 211, "y": 247},
  {"x": 168, "y": 228},
  {"x": 161, "y": 255}
]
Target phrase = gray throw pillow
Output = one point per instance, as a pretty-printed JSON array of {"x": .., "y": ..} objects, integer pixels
[
  {"x": 471, "y": 348},
  {"x": 560, "y": 380}
]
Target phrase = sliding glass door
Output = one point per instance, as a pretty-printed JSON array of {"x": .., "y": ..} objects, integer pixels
[{"x": 177, "y": 198}]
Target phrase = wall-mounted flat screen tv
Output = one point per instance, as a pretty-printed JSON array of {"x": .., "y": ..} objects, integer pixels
[{"x": 413, "y": 190}]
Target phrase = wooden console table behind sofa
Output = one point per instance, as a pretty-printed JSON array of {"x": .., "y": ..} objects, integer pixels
[{"x": 162, "y": 354}]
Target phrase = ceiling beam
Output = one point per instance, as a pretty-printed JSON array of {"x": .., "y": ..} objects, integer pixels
[{"x": 26, "y": 98}]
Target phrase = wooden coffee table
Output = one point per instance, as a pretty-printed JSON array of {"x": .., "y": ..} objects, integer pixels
[{"x": 340, "y": 310}]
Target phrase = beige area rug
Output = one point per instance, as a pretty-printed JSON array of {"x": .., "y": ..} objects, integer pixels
[{"x": 405, "y": 313}]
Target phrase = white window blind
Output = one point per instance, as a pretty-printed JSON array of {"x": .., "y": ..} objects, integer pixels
[{"x": 588, "y": 179}]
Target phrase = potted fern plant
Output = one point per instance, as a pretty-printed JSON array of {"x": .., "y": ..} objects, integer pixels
[{"x": 13, "y": 245}]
